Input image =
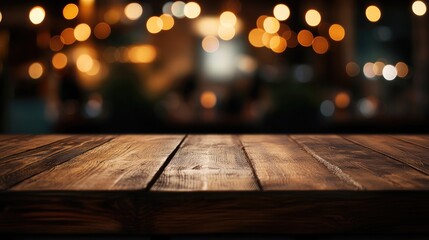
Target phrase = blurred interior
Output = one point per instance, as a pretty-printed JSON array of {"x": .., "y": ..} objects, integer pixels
[{"x": 117, "y": 66}]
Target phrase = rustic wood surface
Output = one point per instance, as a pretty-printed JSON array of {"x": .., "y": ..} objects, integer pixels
[{"x": 184, "y": 184}]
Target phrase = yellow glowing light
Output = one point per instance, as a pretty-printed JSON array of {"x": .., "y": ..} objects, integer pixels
[
  {"x": 208, "y": 100},
  {"x": 207, "y": 26},
  {"x": 67, "y": 36},
  {"x": 70, "y": 11},
  {"x": 377, "y": 68},
  {"x": 178, "y": 9},
  {"x": 305, "y": 38},
  {"x": 419, "y": 8},
  {"x": 95, "y": 69},
  {"x": 402, "y": 69},
  {"x": 192, "y": 10},
  {"x": 342, "y": 100},
  {"x": 260, "y": 21},
  {"x": 55, "y": 44},
  {"x": 255, "y": 37},
  {"x": 312, "y": 17},
  {"x": 337, "y": 32},
  {"x": 84, "y": 63},
  {"x": 352, "y": 69},
  {"x": 154, "y": 24},
  {"x": 281, "y": 12},
  {"x": 59, "y": 61},
  {"x": 37, "y": 15},
  {"x": 320, "y": 45},
  {"x": 82, "y": 32},
  {"x": 102, "y": 30},
  {"x": 373, "y": 13},
  {"x": 271, "y": 25},
  {"x": 226, "y": 33},
  {"x": 142, "y": 54},
  {"x": 228, "y": 19},
  {"x": 278, "y": 44},
  {"x": 35, "y": 71},
  {"x": 210, "y": 44},
  {"x": 133, "y": 11},
  {"x": 167, "y": 22}
]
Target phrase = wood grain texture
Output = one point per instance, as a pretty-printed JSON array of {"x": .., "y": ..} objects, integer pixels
[
  {"x": 366, "y": 168},
  {"x": 208, "y": 163},
  {"x": 126, "y": 163},
  {"x": 14, "y": 144},
  {"x": 18, "y": 167},
  {"x": 419, "y": 140},
  {"x": 407, "y": 153},
  {"x": 280, "y": 164}
]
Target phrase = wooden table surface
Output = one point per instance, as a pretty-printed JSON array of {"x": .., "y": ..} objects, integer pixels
[{"x": 182, "y": 184}]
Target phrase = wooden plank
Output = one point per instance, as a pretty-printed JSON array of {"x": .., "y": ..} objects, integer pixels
[
  {"x": 126, "y": 163},
  {"x": 21, "y": 143},
  {"x": 18, "y": 167},
  {"x": 419, "y": 140},
  {"x": 208, "y": 163},
  {"x": 363, "y": 167},
  {"x": 280, "y": 164},
  {"x": 407, "y": 153}
]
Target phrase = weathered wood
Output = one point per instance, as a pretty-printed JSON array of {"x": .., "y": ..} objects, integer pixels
[
  {"x": 18, "y": 167},
  {"x": 359, "y": 165},
  {"x": 208, "y": 163},
  {"x": 419, "y": 140},
  {"x": 126, "y": 163},
  {"x": 20, "y": 143},
  {"x": 407, "y": 153},
  {"x": 280, "y": 164}
]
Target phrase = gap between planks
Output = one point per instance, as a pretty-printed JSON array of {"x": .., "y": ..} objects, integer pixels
[{"x": 255, "y": 175}]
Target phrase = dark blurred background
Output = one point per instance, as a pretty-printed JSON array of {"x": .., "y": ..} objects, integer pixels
[{"x": 117, "y": 66}]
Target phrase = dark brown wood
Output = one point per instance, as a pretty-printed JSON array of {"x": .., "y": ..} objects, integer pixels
[
  {"x": 361, "y": 166},
  {"x": 18, "y": 167},
  {"x": 419, "y": 140},
  {"x": 280, "y": 164},
  {"x": 407, "y": 153},
  {"x": 125, "y": 163},
  {"x": 14, "y": 144},
  {"x": 208, "y": 163}
]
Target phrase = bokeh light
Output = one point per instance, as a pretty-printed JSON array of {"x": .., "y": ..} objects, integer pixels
[
  {"x": 112, "y": 16},
  {"x": 373, "y": 13},
  {"x": 271, "y": 25},
  {"x": 352, "y": 69},
  {"x": 210, "y": 44},
  {"x": 342, "y": 100},
  {"x": 228, "y": 19},
  {"x": 226, "y": 33},
  {"x": 142, "y": 54},
  {"x": 327, "y": 108},
  {"x": 402, "y": 69},
  {"x": 167, "y": 22},
  {"x": 305, "y": 38},
  {"x": 56, "y": 44},
  {"x": 278, "y": 44},
  {"x": 154, "y": 24},
  {"x": 260, "y": 21},
  {"x": 102, "y": 30},
  {"x": 208, "y": 100},
  {"x": 84, "y": 63},
  {"x": 37, "y": 15},
  {"x": 67, "y": 36},
  {"x": 82, "y": 32},
  {"x": 35, "y": 70},
  {"x": 133, "y": 11},
  {"x": 368, "y": 70},
  {"x": 1, "y": 17},
  {"x": 320, "y": 45},
  {"x": 281, "y": 12},
  {"x": 419, "y": 8},
  {"x": 312, "y": 17},
  {"x": 192, "y": 10},
  {"x": 367, "y": 107},
  {"x": 178, "y": 9},
  {"x": 377, "y": 68},
  {"x": 255, "y": 37},
  {"x": 70, "y": 11},
  {"x": 59, "y": 61},
  {"x": 337, "y": 32},
  {"x": 166, "y": 8},
  {"x": 389, "y": 72}
]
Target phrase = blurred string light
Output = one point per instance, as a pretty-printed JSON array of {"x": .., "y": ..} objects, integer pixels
[
  {"x": 342, "y": 100},
  {"x": 192, "y": 10},
  {"x": 281, "y": 12},
  {"x": 313, "y": 17},
  {"x": 67, "y": 36},
  {"x": 35, "y": 70},
  {"x": 352, "y": 69},
  {"x": 320, "y": 45},
  {"x": 373, "y": 13},
  {"x": 154, "y": 24},
  {"x": 102, "y": 30},
  {"x": 402, "y": 69},
  {"x": 419, "y": 8},
  {"x": 178, "y": 9},
  {"x": 59, "y": 61},
  {"x": 133, "y": 11},
  {"x": 37, "y": 15},
  {"x": 389, "y": 72},
  {"x": 210, "y": 44},
  {"x": 327, "y": 108},
  {"x": 70, "y": 11},
  {"x": 208, "y": 100},
  {"x": 337, "y": 32},
  {"x": 82, "y": 32}
]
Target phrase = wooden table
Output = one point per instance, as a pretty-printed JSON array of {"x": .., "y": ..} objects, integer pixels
[{"x": 184, "y": 184}]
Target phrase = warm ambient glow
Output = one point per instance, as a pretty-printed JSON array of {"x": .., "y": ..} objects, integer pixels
[
  {"x": 226, "y": 33},
  {"x": 278, "y": 44},
  {"x": 281, "y": 12},
  {"x": 133, "y": 11},
  {"x": 255, "y": 37},
  {"x": 192, "y": 10},
  {"x": 142, "y": 54},
  {"x": 56, "y": 44},
  {"x": 305, "y": 38},
  {"x": 337, "y": 32},
  {"x": 167, "y": 22},
  {"x": 342, "y": 100},
  {"x": 312, "y": 17},
  {"x": 82, "y": 32},
  {"x": 373, "y": 13},
  {"x": 59, "y": 61},
  {"x": 352, "y": 69},
  {"x": 37, "y": 15},
  {"x": 419, "y": 8},
  {"x": 154, "y": 24},
  {"x": 70, "y": 11},
  {"x": 210, "y": 44},
  {"x": 102, "y": 30},
  {"x": 228, "y": 19},
  {"x": 84, "y": 63},
  {"x": 35, "y": 71},
  {"x": 208, "y": 100},
  {"x": 271, "y": 25}
]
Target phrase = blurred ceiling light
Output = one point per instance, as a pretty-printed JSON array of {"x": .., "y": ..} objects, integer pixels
[
  {"x": 281, "y": 12},
  {"x": 82, "y": 32},
  {"x": 133, "y": 11},
  {"x": 210, "y": 44},
  {"x": 102, "y": 30},
  {"x": 228, "y": 19},
  {"x": 154, "y": 24},
  {"x": 402, "y": 69},
  {"x": 260, "y": 21},
  {"x": 352, "y": 69},
  {"x": 207, "y": 26},
  {"x": 389, "y": 72},
  {"x": 419, "y": 8},
  {"x": 337, "y": 32},
  {"x": 59, "y": 61},
  {"x": 167, "y": 22},
  {"x": 373, "y": 13},
  {"x": 70, "y": 11},
  {"x": 142, "y": 54},
  {"x": 166, "y": 8},
  {"x": 35, "y": 70},
  {"x": 305, "y": 38},
  {"x": 271, "y": 25},
  {"x": 67, "y": 36},
  {"x": 342, "y": 100},
  {"x": 226, "y": 33},
  {"x": 178, "y": 9},
  {"x": 255, "y": 37},
  {"x": 56, "y": 44},
  {"x": 84, "y": 63},
  {"x": 377, "y": 68},
  {"x": 208, "y": 100},
  {"x": 320, "y": 45},
  {"x": 327, "y": 108},
  {"x": 37, "y": 15},
  {"x": 192, "y": 10},
  {"x": 312, "y": 17},
  {"x": 368, "y": 70}
]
